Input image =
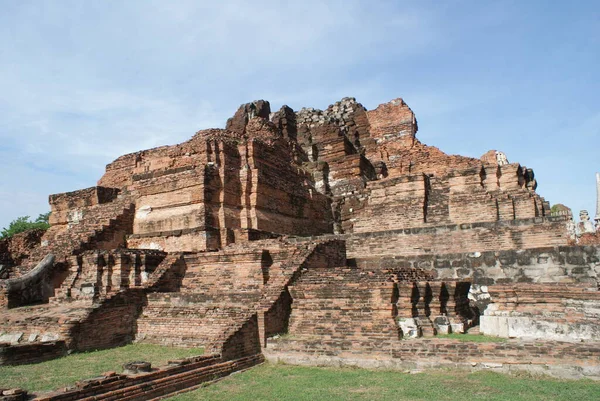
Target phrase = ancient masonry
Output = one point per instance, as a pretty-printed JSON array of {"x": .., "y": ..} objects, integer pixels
[{"x": 337, "y": 227}]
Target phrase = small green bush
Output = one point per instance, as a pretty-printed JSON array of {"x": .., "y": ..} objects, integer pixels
[{"x": 23, "y": 223}]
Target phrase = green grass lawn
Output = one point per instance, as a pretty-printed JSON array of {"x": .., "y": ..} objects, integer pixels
[
  {"x": 62, "y": 372},
  {"x": 283, "y": 382},
  {"x": 473, "y": 338}
]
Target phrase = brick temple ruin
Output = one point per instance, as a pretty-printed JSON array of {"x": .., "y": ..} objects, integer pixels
[{"x": 329, "y": 237}]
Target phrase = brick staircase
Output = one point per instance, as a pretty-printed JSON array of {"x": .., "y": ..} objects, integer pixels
[
  {"x": 185, "y": 320},
  {"x": 104, "y": 227},
  {"x": 99, "y": 229},
  {"x": 219, "y": 292},
  {"x": 203, "y": 299}
]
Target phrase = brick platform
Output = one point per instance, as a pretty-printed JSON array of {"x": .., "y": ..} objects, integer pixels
[{"x": 564, "y": 360}]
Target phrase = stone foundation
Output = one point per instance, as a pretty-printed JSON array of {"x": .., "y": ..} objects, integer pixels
[{"x": 563, "y": 360}]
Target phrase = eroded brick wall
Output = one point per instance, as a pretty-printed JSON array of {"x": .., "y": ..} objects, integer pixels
[
  {"x": 16, "y": 250},
  {"x": 472, "y": 237},
  {"x": 569, "y": 264},
  {"x": 565, "y": 312},
  {"x": 31, "y": 353},
  {"x": 343, "y": 303},
  {"x": 422, "y": 200},
  {"x": 111, "y": 324},
  {"x": 219, "y": 290},
  {"x": 94, "y": 274}
]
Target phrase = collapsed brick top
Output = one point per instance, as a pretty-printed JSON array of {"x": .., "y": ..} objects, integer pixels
[{"x": 380, "y": 143}]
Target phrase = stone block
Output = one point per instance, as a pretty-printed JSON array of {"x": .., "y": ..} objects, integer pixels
[
  {"x": 409, "y": 327},
  {"x": 12, "y": 338}
]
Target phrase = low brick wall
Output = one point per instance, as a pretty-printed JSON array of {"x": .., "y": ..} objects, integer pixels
[
  {"x": 31, "y": 353},
  {"x": 81, "y": 325},
  {"x": 180, "y": 375},
  {"x": 560, "y": 359}
]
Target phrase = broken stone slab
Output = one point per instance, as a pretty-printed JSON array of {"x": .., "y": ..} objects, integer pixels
[
  {"x": 49, "y": 337},
  {"x": 88, "y": 289},
  {"x": 443, "y": 329},
  {"x": 12, "y": 338}
]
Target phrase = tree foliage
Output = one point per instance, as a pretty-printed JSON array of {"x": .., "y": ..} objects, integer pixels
[{"x": 23, "y": 223}]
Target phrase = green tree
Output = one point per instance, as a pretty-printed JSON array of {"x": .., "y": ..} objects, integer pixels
[{"x": 23, "y": 223}]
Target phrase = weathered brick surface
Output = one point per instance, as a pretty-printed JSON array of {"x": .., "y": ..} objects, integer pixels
[
  {"x": 34, "y": 286},
  {"x": 220, "y": 187},
  {"x": 242, "y": 233},
  {"x": 460, "y": 238},
  {"x": 17, "y": 249},
  {"x": 82, "y": 324},
  {"x": 548, "y": 310},
  {"x": 221, "y": 290},
  {"x": 111, "y": 323},
  {"x": 403, "y": 354},
  {"x": 568, "y": 264},
  {"x": 95, "y": 274},
  {"x": 354, "y": 304},
  {"x": 65, "y": 206},
  {"x": 31, "y": 353},
  {"x": 96, "y": 306},
  {"x": 589, "y": 239},
  {"x": 97, "y": 226},
  {"x": 343, "y": 303}
]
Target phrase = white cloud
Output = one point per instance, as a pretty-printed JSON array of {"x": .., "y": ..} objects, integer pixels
[
  {"x": 89, "y": 81},
  {"x": 86, "y": 81}
]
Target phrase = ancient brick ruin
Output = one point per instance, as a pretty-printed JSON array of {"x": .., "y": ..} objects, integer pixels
[{"x": 319, "y": 236}]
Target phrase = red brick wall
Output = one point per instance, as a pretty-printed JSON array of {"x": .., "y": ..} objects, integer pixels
[
  {"x": 475, "y": 237},
  {"x": 569, "y": 264},
  {"x": 111, "y": 324},
  {"x": 547, "y": 356},
  {"x": 31, "y": 353}
]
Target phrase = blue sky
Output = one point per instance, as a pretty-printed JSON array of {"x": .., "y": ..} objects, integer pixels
[{"x": 82, "y": 82}]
